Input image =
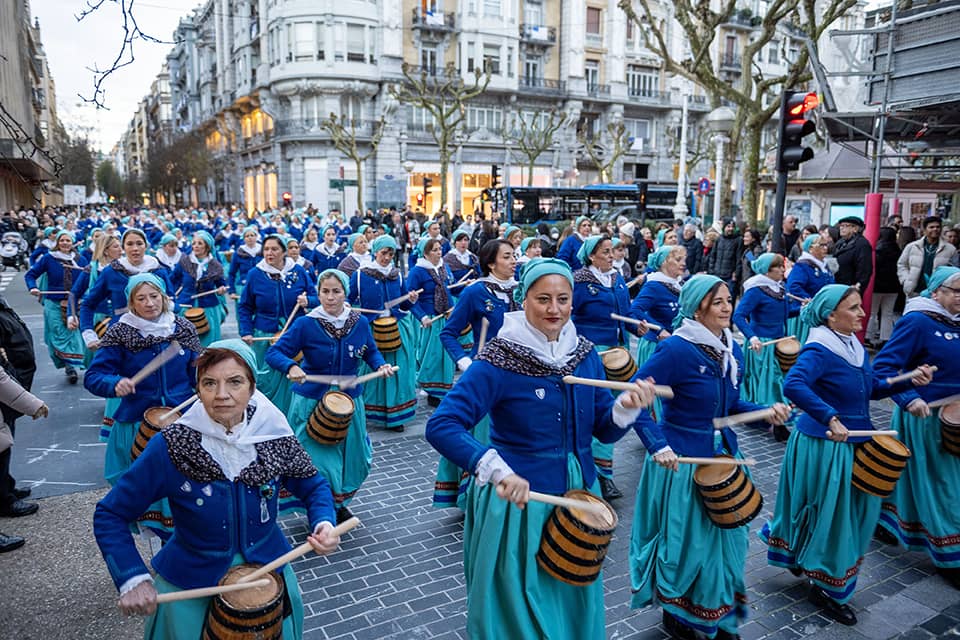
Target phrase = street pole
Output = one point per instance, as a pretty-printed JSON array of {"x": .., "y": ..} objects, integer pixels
[
  {"x": 680, "y": 207},
  {"x": 718, "y": 186}
]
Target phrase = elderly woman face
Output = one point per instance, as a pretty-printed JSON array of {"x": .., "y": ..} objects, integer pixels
[
  {"x": 332, "y": 295},
  {"x": 675, "y": 264},
  {"x": 602, "y": 256},
  {"x": 273, "y": 253},
  {"x": 225, "y": 389},
  {"x": 360, "y": 245},
  {"x": 384, "y": 257},
  {"x": 848, "y": 317},
  {"x": 200, "y": 248},
  {"x": 293, "y": 249},
  {"x": 585, "y": 228},
  {"x": 948, "y": 295},
  {"x": 147, "y": 302},
  {"x": 250, "y": 238},
  {"x": 670, "y": 238},
  {"x": 548, "y": 304}
]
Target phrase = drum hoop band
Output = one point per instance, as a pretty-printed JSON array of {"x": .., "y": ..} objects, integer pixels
[
  {"x": 580, "y": 542},
  {"x": 581, "y": 562}
]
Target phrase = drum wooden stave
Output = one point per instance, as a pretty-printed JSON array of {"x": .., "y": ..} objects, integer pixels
[
  {"x": 619, "y": 364},
  {"x": 386, "y": 333},
  {"x": 729, "y": 497},
  {"x": 101, "y": 327},
  {"x": 466, "y": 329},
  {"x": 150, "y": 426},
  {"x": 330, "y": 419},
  {"x": 787, "y": 352},
  {"x": 249, "y": 614},
  {"x": 199, "y": 320},
  {"x": 877, "y": 465},
  {"x": 574, "y": 543},
  {"x": 950, "y": 428}
]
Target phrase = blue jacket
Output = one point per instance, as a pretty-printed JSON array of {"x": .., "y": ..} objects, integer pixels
[
  {"x": 183, "y": 280},
  {"x": 419, "y": 278},
  {"x": 82, "y": 284},
  {"x": 168, "y": 386},
  {"x": 215, "y": 520},
  {"x": 655, "y": 303},
  {"x": 567, "y": 417},
  {"x": 47, "y": 264},
  {"x": 458, "y": 269},
  {"x": 568, "y": 251},
  {"x": 322, "y": 261},
  {"x": 368, "y": 292},
  {"x": 824, "y": 385},
  {"x": 110, "y": 285},
  {"x": 702, "y": 392},
  {"x": 475, "y": 303},
  {"x": 240, "y": 266},
  {"x": 592, "y": 305},
  {"x": 760, "y": 314},
  {"x": 265, "y": 303},
  {"x": 806, "y": 279},
  {"x": 324, "y": 354},
  {"x": 920, "y": 339}
]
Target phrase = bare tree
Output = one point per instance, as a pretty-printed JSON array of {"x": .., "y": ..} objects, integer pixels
[
  {"x": 752, "y": 95},
  {"x": 343, "y": 133},
  {"x": 606, "y": 150},
  {"x": 444, "y": 97},
  {"x": 698, "y": 149},
  {"x": 531, "y": 134}
]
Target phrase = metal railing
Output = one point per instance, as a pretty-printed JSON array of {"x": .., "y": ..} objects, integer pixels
[
  {"x": 538, "y": 34},
  {"x": 648, "y": 96},
  {"x": 598, "y": 90},
  {"x": 445, "y": 21},
  {"x": 542, "y": 85}
]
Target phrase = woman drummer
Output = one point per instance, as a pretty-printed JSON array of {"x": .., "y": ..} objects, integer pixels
[
  {"x": 294, "y": 253},
  {"x": 359, "y": 254},
  {"x": 246, "y": 257},
  {"x": 659, "y": 299},
  {"x": 762, "y": 316},
  {"x": 327, "y": 254},
  {"x": 598, "y": 291},
  {"x": 57, "y": 268},
  {"x": 922, "y": 512},
  {"x": 808, "y": 275},
  {"x": 334, "y": 341},
  {"x": 274, "y": 287},
  {"x": 169, "y": 254},
  {"x": 519, "y": 375},
  {"x": 391, "y": 401},
  {"x": 679, "y": 558},
  {"x": 230, "y": 454},
  {"x": 142, "y": 333},
  {"x": 461, "y": 262},
  {"x": 200, "y": 280},
  {"x": 530, "y": 248},
  {"x": 435, "y": 373},
  {"x": 106, "y": 249},
  {"x": 570, "y": 248},
  {"x": 821, "y": 524}
]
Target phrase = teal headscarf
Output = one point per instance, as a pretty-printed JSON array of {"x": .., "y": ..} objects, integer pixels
[
  {"x": 536, "y": 269},
  {"x": 587, "y": 248},
  {"x": 383, "y": 242},
  {"x": 48, "y": 230},
  {"x": 167, "y": 238},
  {"x": 363, "y": 228},
  {"x": 656, "y": 259},
  {"x": 510, "y": 231},
  {"x": 458, "y": 233},
  {"x": 242, "y": 349},
  {"x": 580, "y": 220},
  {"x": 526, "y": 244},
  {"x": 278, "y": 238},
  {"x": 824, "y": 302},
  {"x": 422, "y": 245},
  {"x": 352, "y": 238},
  {"x": 61, "y": 233},
  {"x": 250, "y": 229},
  {"x": 616, "y": 242},
  {"x": 810, "y": 239},
  {"x": 138, "y": 232},
  {"x": 692, "y": 294},
  {"x": 207, "y": 239},
  {"x": 135, "y": 281},
  {"x": 761, "y": 265},
  {"x": 660, "y": 236},
  {"x": 939, "y": 278},
  {"x": 336, "y": 273}
]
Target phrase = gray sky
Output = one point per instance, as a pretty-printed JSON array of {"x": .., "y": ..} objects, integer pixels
[{"x": 73, "y": 47}]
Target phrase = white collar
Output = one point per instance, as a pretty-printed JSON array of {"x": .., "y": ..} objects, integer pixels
[
  {"x": 426, "y": 264},
  {"x": 463, "y": 257},
  {"x": 806, "y": 255},
  {"x": 376, "y": 266},
  {"x": 336, "y": 320},
  {"x": 361, "y": 258},
  {"x": 920, "y": 303},
  {"x": 606, "y": 279},
  {"x": 288, "y": 264},
  {"x": 762, "y": 280},
  {"x": 253, "y": 253},
  {"x": 162, "y": 327},
  {"x": 170, "y": 261},
  {"x": 555, "y": 354},
  {"x": 63, "y": 256},
  {"x": 149, "y": 264},
  {"x": 846, "y": 347},
  {"x": 324, "y": 249},
  {"x": 662, "y": 278},
  {"x": 694, "y": 332}
]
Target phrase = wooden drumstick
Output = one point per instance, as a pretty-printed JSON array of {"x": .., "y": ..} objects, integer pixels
[
  {"x": 347, "y": 384},
  {"x": 429, "y": 321},
  {"x": 718, "y": 460},
  {"x": 263, "y": 338},
  {"x": 942, "y": 401},
  {"x": 661, "y": 390},
  {"x": 637, "y": 280},
  {"x": 460, "y": 283},
  {"x": 303, "y": 549},
  {"x": 321, "y": 378},
  {"x": 169, "y": 414},
  {"x": 770, "y": 342},
  {"x": 741, "y": 418},
  {"x": 867, "y": 433},
  {"x": 54, "y": 293},
  {"x": 206, "y": 592},
  {"x": 362, "y": 310},
  {"x": 204, "y": 293},
  {"x": 909, "y": 375},
  {"x": 158, "y": 361},
  {"x": 644, "y": 323},
  {"x": 286, "y": 324},
  {"x": 595, "y": 508},
  {"x": 464, "y": 276},
  {"x": 484, "y": 325},
  {"x": 401, "y": 299},
  {"x": 798, "y": 298}
]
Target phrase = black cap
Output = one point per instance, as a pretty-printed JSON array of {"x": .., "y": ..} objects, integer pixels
[{"x": 851, "y": 220}]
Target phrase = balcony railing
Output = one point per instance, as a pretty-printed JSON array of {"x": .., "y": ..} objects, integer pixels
[
  {"x": 542, "y": 85},
  {"x": 648, "y": 96},
  {"x": 310, "y": 126},
  {"x": 598, "y": 90},
  {"x": 743, "y": 19},
  {"x": 538, "y": 34},
  {"x": 730, "y": 62},
  {"x": 438, "y": 20}
]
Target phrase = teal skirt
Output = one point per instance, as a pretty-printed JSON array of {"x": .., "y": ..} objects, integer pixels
[
  {"x": 798, "y": 329},
  {"x": 346, "y": 464},
  {"x": 644, "y": 350},
  {"x": 821, "y": 523},
  {"x": 88, "y": 353},
  {"x": 602, "y": 452},
  {"x": 508, "y": 594},
  {"x": 922, "y": 511},
  {"x": 106, "y": 425},
  {"x": 762, "y": 376},
  {"x": 392, "y": 401},
  {"x": 450, "y": 487},
  {"x": 435, "y": 375},
  {"x": 272, "y": 383},
  {"x": 65, "y": 347},
  {"x": 183, "y": 620},
  {"x": 680, "y": 559},
  {"x": 158, "y": 517},
  {"x": 215, "y": 316}
]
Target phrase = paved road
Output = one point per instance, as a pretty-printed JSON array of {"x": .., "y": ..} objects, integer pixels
[{"x": 400, "y": 575}]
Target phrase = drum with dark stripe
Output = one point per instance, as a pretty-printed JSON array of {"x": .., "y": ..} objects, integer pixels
[
  {"x": 730, "y": 498},
  {"x": 950, "y": 428},
  {"x": 466, "y": 329},
  {"x": 386, "y": 333},
  {"x": 877, "y": 465},
  {"x": 574, "y": 543},
  {"x": 199, "y": 320},
  {"x": 619, "y": 364},
  {"x": 787, "y": 352},
  {"x": 248, "y": 614},
  {"x": 150, "y": 426},
  {"x": 101, "y": 327},
  {"x": 330, "y": 419}
]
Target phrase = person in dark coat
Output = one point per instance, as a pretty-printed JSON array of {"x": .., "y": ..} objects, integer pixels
[
  {"x": 853, "y": 253},
  {"x": 722, "y": 260},
  {"x": 886, "y": 289},
  {"x": 694, "y": 248}
]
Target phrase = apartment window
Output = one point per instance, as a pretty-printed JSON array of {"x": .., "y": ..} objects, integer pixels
[
  {"x": 275, "y": 53},
  {"x": 419, "y": 118},
  {"x": 773, "y": 52},
  {"x": 484, "y": 117},
  {"x": 311, "y": 109},
  {"x": 642, "y": 81},
  {"x": 591, "y": 73},
  {"x": 491, "y": 59},
  {"x": 491, "y": 8},
  {"x": 594, "y": 35},
  {"x": 321, "y": 41},
  {"x": 509, "y": 62},
  {"x": 730, "y": 50},
  {"x": 533, "y": 13},
  {"x": 300, "y": 39},
  {"x": 638, "y": 128},
  {"x": 471, "y": 53},
  {"x": 351, "y": 108},
  {"x": 629, "y": 29},
  {"x": 355, "y": 43},
  {"x": 532, "y": 70},
  {"x": 428, "y": 59}
]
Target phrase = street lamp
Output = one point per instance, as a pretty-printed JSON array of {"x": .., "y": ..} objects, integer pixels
[
  {"x": 680, "y": 208},
  {"x": 720, "y": 121}
]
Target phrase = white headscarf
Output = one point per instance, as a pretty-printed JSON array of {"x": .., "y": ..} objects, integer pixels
[
  {"x": 162, "y": 327},
  {"x": 556, "y": 354},
  {"x": 266, "y": 267},
  {"x": 336, "y": 320},
  {"x": 847, "y": 347},
  {"x": 921, "y": 303},
  {"x": 694, "y": 332}
]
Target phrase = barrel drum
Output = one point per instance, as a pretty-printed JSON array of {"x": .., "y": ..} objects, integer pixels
[
  {"x": 950, "y": 428},
  {"x": 330, "y": 419},
  {"x": 249, "y": 614},
  {"x": 619, "y": 364},
  {"x": 877, "y": 465},
  {"x": 199, "y": 320},
  {"x": 730, "y": 498},
  {"x": 386, "y": 333},
  {"x": 150, "y": 426},
  {"x": 574, "y": 543},
  {"x": 787, "y": 352}
]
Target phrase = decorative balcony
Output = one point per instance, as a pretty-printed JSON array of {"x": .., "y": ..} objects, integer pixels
[
  {"x": 434, "y": 20},
  {"x": 598, "y": 90},
  {"x": 730, "y": 62},
  {"x": 542, "y": 86},
  {"x": 538, "y": 35},
  {"x": 649, "y": 96}
]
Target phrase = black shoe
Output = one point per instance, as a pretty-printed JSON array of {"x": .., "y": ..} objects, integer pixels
[
  {"x": 21, "y": 493},
  {"x": 796, "y": 571},
  {"x": 726, "y": 635},
  {"x": 608, "y": 490},
  {"x": 884, "y": 536},
  {"x": 18, "y": 509},
  {"x": 950, "y": 575},
  {"x": 781, "y": 433},
  {"x": 842, "y": 613},
  {"x": 343, "y": 514},
  {"x": 9, "y": 543},
  {"x": 433, "y": 401},
  {"x": 72, "y": 375},
  {"x": 677, "y": 629},
  {"x": 399, "y": 429}
]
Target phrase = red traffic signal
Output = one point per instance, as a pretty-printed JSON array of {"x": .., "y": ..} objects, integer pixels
[
  {"x": 793, "y": 127},
  {"x": 419, "y": 198}
]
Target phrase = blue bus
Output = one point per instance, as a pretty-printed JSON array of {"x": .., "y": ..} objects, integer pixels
[{"x": 642, "y": 201}]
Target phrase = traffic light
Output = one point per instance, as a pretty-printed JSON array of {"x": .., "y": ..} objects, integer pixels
[
  {"x": 420, "y": 199},
  {"x": 426, "y": 189},
  {"x": 287, "y": 199},
  {"x": 794, "y": 125},
  {"x": 494, "y": 176}
]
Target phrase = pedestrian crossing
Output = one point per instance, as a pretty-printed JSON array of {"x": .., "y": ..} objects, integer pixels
[{"x": 6, "y": 277}]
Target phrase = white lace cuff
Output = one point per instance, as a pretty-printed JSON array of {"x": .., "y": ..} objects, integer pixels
[
  {"x": 130, "y": 584},
  {"x": 316, "y": 529},
  {"x": 663, "y": 450},
  {"x": 623, "y": 417},
  {"x": 464, "y": 363},
  {"x": 90, "y": 336},
  {"x": 492, "y": 468}
]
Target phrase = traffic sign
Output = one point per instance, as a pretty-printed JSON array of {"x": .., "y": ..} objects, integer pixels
[{"x": 703, "y": 186}]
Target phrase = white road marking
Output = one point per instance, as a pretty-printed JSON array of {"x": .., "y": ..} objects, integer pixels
[
  {"x": 93, "y": 444},
  {"x": 37, "y": 483},
  {"x": 44, "y": 452}
]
